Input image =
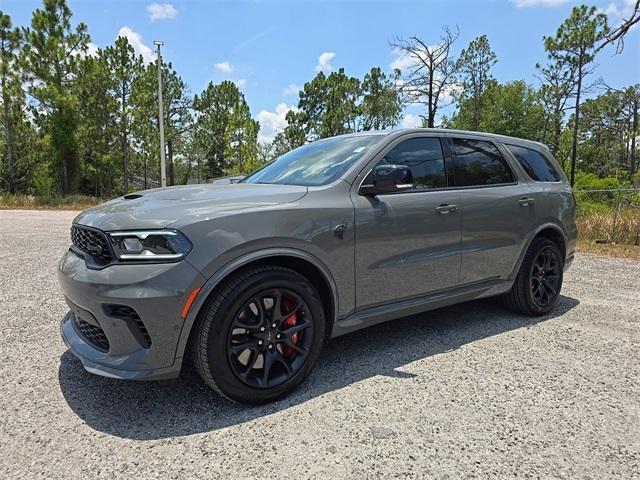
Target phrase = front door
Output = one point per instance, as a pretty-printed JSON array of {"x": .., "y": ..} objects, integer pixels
[{"x": 408, "y": 244}]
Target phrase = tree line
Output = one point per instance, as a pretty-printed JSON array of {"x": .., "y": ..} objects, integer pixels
[{"x": 78, "y": 121}]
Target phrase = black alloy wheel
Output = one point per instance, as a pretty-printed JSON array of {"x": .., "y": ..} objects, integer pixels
[
  {"x": 536, "y": 288},
  {"x": 545, "y": 277},
  {"x": 270, "y": 338},
  {"x": 259, "y": 335}
]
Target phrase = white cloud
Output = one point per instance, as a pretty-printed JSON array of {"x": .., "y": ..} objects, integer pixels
[
  {"x": 324, "y": 60},
  {"x": 91, "y": 51},
  {"x": 135, "y": 39},
  {"x": 224, "y": 67},
  {"x": 292, "y": 89},
  {"x": 227, "y": 68},
  {"x": 272, "y": 123},
  {"x": 161, "y": 11},
  {"x": 402, "y": 61},
  {"x": 411, "y": 121},
  {"x": 538, "y": 3},
  {"x": 622, "y": 9}
]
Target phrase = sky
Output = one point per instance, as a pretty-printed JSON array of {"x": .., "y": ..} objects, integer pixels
[{"x": 271, "y": 48}]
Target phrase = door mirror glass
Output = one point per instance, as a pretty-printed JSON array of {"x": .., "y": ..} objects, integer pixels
[{"x": 389, "y": 179}]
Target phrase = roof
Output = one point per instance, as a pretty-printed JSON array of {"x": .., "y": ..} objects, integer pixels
[{"x": 500, "y": 138}]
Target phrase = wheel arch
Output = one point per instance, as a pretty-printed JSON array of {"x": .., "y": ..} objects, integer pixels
[
  {"x": 300, "y": 261},
  {"x": 555, "y": 235},
  {"x": 548, "y": 230}
]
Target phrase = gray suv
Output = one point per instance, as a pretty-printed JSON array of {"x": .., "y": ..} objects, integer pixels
[{"x": 249, "y": 279}]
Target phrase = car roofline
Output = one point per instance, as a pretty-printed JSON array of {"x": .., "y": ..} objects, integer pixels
[{"x": 396, "y": 132}]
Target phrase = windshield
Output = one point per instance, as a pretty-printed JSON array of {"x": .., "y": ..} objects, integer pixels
[{"x": 317, "y": 163}]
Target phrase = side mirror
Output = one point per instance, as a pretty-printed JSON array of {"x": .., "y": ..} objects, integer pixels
[{"x": 389, "y": 179}]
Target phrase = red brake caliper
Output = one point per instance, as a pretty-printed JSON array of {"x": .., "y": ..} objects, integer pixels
[{"x": 289, "y": 322}]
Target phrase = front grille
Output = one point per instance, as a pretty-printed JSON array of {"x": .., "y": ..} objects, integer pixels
[
  {"x": 125, "y": 312},
  {"x": 93, "y": 242},
  {"x": 92, "y": 334}
]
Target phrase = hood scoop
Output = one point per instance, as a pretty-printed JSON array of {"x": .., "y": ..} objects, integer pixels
[{"x": 132, "y": 196}]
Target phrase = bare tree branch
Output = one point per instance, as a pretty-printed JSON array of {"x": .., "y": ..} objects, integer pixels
[
  {"x": 431, "y": 71},
  {"x": 617, "y": 35}
]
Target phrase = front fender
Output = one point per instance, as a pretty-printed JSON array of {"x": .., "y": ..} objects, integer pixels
[{"x": 234, "y": 265}]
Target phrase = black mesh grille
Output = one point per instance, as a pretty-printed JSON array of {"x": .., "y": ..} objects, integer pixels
[
  {"x": 92, "y": 242},
  {"x": 92, "y": 334},
  {"x": 125, "y": 312},
  {"x": 143, "y": 331}
]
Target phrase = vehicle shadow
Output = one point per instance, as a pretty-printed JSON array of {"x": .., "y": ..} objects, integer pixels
[{"x": 160, "y": 409}]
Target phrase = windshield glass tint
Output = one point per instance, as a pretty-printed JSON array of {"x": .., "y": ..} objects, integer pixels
[{"x": 317, "y": 163}]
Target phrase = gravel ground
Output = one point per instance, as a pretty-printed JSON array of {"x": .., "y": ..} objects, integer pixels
[{"x": 466, "y": 391}]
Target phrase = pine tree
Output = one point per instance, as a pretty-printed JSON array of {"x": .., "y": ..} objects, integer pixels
[
  {"x": 575, "y": 45},
  {"x": 474, "y": 65},
  {"x": 53, "y": 50},
  {"x": 12, "y": 97},
  {"x": 125, "y": 67}
]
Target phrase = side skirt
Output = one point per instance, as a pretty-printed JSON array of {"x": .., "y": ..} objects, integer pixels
[{"x": 404, "y": 308}]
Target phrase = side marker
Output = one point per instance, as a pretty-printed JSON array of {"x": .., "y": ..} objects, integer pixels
[{"x": 187, "y": 305}]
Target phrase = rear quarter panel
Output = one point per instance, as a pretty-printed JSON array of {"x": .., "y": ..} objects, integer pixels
[{"x": 555, "y": 206}]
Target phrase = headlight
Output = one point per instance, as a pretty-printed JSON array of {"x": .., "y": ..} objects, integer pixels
[{"x": 150, "y": 245}]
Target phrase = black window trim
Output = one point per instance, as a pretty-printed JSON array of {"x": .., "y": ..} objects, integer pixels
[
  {"x": 542, "y": 153},
  {"x": 454, "y": 159},
  {"x": 446, "y": 153}
]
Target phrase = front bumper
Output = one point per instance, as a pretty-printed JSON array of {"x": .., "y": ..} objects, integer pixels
[
  {"x": 81, "y": 349},
  {"x": 142, "y": 346}
]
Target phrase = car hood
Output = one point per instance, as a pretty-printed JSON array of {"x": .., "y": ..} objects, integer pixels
[{"x": 176, "y": 206}]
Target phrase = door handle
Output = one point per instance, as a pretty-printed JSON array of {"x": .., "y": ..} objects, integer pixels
[
  {"x": 525, "y": 202},
  {"x": 446, "y": 209}
]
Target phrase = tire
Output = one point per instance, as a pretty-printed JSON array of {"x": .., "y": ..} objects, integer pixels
[
  {"x": 237, "y": 350},
  {"x": 535, "y": 293}
]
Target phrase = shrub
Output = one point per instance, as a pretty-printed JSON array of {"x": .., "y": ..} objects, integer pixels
[
  {"x": 588, "y": 181},
  {"x": 586, "y": 208}
]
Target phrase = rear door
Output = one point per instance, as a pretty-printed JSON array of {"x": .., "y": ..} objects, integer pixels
[
  {"x": 408, "y": 243},
  {"x": 495, "y": 219}
]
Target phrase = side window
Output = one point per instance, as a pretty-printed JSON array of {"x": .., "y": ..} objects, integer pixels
[
  {"x": 479, "y": 163},
  {"x": 537, "y": 166},
  {"x": 425, "y": 159}
]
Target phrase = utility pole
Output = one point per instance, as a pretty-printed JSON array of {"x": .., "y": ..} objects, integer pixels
[{"x": 163, "y": 167}]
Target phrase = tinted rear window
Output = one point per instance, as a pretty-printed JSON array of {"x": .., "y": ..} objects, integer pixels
[
  {"x": 537, "y": 166},
  {"x": 479, "y": 163}
]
